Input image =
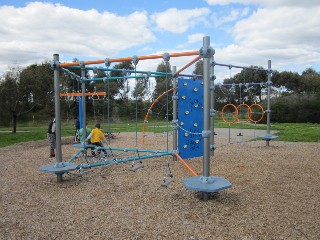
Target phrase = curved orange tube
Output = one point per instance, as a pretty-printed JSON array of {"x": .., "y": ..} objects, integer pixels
[{"x": 147, "y": 115}]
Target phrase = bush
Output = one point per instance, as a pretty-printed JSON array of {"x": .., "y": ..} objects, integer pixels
[{"x": 296, "y": 108}]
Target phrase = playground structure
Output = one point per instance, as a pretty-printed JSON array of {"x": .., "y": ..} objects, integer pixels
[{"x": 204, "y": 183}]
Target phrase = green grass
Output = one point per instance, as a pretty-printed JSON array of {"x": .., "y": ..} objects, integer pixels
[
  {"x": 297, "y": 132},
  {"x": 38, "y": 131},
  {"x": 29, "y": 132},
  {"x": 291, "y": 132}
]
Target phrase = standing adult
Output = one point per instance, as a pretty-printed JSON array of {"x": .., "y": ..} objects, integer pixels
[
  {"x": 52, "y": 137},
  {"x": 77, "y": 128}
]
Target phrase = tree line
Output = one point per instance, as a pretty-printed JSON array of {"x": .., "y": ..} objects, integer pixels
[{"x": 27, "y": 94}]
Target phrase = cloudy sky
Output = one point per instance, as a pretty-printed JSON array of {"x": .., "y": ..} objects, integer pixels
[{"x": 242, "y": 32}]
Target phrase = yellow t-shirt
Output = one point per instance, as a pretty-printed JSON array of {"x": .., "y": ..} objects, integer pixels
[{"x": 96, "y": 135}]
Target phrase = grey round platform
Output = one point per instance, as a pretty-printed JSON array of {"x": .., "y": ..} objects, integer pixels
[
  {"x": 267, "y": 137},
  {"x": 206, "y": 184},
  {"x": 83, "y": 145},
  {"x": 58, "y": 168}
]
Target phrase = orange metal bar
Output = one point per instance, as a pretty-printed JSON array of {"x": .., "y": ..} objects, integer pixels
[
  {"x": 181, "y": 54},
  {"x": 80, "y": 94},
  {"x": 188, "y": 65},
  {"x": 147, "y": 115},
  {"x": 186, "y": 165}
]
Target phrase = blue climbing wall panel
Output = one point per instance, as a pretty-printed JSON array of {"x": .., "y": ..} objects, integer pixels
[{"x": 190, "y": 118}]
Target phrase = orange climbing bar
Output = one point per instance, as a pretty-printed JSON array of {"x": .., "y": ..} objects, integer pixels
[
  {"x": 186, "y": 165},
  {"x": 188, "y": 65},
  {"x": 181, "y": 54},
  {"x": 80, "y": 94}
]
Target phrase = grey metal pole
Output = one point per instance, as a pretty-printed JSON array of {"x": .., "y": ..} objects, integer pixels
[
  {"x": 207, "y": 54},
  {"x": 56, "y": 77},
  {"x": 268, "y": 102},
  {"x": 212, "y": 111},
  {"x": 174, "y": 114},
  {"x": 83, "y": 100}
]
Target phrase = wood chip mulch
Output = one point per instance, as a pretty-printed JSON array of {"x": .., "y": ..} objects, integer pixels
[{"x": 275, "y": 194}]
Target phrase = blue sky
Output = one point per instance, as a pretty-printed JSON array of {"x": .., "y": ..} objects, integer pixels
[{"x": 242, "y": 32}]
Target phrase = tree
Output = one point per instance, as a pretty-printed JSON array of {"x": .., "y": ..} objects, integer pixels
[
  {"x": 120, "y": 87},
  {"x": 310, "y": 81},
  {"x": 163, "y": 83},
  {"x": 14, "y": 96},
  {"x": 291, "y": 81},
  {"x": 198, "y": 68},
  {"x": 26, "y": 90},
  {"x": 246, "y": 92},
  {"x": 37, "y": 82},
  {"x": 141, "y": 88}
]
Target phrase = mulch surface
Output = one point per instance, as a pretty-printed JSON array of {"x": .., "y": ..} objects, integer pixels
[{"x": 275, "y": 194}]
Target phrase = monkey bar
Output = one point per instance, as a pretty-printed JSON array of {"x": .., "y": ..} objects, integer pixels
[{"x": 181, "y": 54}]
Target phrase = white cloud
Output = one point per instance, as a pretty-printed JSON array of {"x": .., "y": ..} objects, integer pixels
[
  {"x": 34, "y": 32},
  {"x": 232, "y": 16},
  {"x": 179, "y": 21},
  {"x": 198, "y": 37},
  {"x": 193, "y": 38},
  {"x": 280, "y": 28},
  {"x": 290, "y": 59},
  {"x": 266, "y": 3},
  {"x": 287, "y": 35}
]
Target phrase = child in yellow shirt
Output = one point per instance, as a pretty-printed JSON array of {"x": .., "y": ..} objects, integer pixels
[{"x": 96, "y": 137}]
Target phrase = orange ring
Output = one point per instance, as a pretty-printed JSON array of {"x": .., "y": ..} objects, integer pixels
[
  {"x": 262, "y": 111},
  {"x": 248, "y": 113},
  {"x": 236, "y": 113}
]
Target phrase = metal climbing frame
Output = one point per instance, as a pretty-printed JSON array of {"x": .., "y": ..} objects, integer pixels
[
  {"x": 61, "y": 167},
  {"x": 204, "y": 183},
  {"x": 267, "y": 136}
]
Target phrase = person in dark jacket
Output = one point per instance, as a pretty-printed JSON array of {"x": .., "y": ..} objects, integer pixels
[{"x": 52, "y": 137}]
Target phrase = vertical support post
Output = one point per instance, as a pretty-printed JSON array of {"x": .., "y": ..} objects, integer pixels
[
  {"x": 56, "y": 77},
  {"x": 212, "y": 111},
  {"x": 107, "y": 63},
  {"x": 268, "y": 102},
  {"x": 83, "y": 99},
  {"x": 207, "y": 53},
  {"x": 174, "y": 113},
  {"x": 109, "y": 131},
  {"x": 80, "y": 111}
]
